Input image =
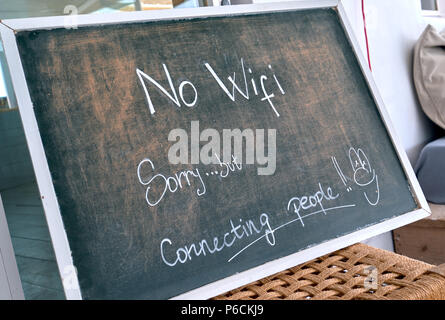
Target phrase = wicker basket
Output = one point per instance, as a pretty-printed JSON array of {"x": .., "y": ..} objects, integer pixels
[{"x": 357, "y": 272}]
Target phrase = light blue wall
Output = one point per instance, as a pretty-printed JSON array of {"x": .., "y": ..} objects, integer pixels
[
  {"x": 2, "y": 86},
  {"x": 2, "y": 83},
  {"x": 15, "y": 162}
]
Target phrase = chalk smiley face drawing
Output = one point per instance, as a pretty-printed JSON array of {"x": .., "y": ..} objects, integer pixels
[{"x": 363, "y": 175}]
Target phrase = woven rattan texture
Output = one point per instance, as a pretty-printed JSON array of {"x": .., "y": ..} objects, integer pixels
[{"x": 357, "y": 272}]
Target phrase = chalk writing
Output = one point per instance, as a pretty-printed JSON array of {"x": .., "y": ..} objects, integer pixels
[
  {"x": 304, "y": 203},
  {"x": 243, "y": 90},
  {"x": 238, "y": 231},
  {"x": 263, "y": 78},
  {"x": 248, "y": 229},
  {"x": 167, "y": 183},
  {"x": 303, "y": 206},
  {"x": 312, "y": 201},
  {"x": 180, "y": 179}
]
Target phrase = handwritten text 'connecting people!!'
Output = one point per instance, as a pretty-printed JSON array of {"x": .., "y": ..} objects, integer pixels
[
  {"x": 323, "y": 200},
  {"x": 357, "y": 176}
]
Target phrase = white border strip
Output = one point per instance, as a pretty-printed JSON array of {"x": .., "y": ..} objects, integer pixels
[
  {"x": 40, "y": 164},
  {"x": 240, "y": 279},
  {"x": 8, "y": 264},
  {"x": 49, "y": 199},
  {"x": 29, "y": 24},
  {"x": 406, "y": 165}
]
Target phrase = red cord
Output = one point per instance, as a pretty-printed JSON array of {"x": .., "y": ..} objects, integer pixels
[{"x": 366, "y": 34}]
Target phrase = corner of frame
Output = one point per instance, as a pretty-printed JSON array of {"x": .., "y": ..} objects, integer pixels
[
  {"x": 5, "y": 32},
  {"x": 425, "y": 207},
  {"x": 3, "y": 24}
]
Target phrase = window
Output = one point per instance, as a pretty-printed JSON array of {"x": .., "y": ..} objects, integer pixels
[
  {"x": 3, "y": 102},
  {"x": 429, "y": 5},
  {"x": 3, "y": 99},
  {"x": 7, "y": 96},
  {"x": 433, "y": 7}
]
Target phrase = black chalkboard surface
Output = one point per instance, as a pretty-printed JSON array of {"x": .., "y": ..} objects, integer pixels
[{"x": 106, "y": 99}]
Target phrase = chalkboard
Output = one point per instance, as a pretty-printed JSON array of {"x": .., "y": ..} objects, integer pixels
[{"x": 115, "y": 103}]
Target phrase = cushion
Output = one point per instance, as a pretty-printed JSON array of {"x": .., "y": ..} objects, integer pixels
[
  {"x": 430, "y": 170},
  {"x": 429, "y": 74}
]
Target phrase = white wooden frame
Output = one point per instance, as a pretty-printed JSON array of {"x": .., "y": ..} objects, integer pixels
[
  {"x": 10, "y": 284},
  {"x": 440, "y": 12},
  {"x": 50, "y": 203}
]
